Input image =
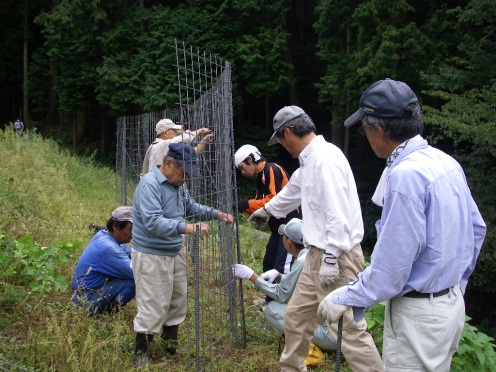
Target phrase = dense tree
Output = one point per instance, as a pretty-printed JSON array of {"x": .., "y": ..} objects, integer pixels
[
  {"x": 365, "y": 41},
  {"x": 464, "y": 86}
]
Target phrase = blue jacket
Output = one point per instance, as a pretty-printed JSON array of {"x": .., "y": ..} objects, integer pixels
[{"x": 103, "y": 259}]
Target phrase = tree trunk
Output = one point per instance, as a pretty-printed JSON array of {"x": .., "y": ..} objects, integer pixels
[
  {"x": 79, "y": 127},
  {"x": 346, "y": 143},
  {"x": 268, "y": 118},
  {"x": 26, "y": 117},
  {"x": 103, "y": 137},
  {"x": 338, "y": 136},
  {"x": 52, "y": 114}
]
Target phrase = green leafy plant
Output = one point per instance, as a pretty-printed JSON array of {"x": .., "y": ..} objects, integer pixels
[
  {"x": 27, "y": 262},
  {"x": 375, "y": 316},
  {"x": 475, "y": 352}
]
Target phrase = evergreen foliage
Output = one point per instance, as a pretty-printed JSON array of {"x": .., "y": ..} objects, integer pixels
[{"x": 463, "y": 116}]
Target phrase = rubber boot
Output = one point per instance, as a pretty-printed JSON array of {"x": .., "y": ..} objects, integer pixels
[
  {"x": 315, "y": 356},
  {"x": 169, "y": 336},
  {"x": 141, "y": 357}
]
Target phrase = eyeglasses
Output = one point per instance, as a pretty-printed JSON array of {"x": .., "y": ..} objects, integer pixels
[{"x": 361, "y": 130}]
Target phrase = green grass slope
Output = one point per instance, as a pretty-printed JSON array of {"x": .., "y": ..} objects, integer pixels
[{"x": 48, "y": 197}]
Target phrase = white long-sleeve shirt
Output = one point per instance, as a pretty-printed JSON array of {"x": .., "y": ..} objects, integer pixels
[
  {"x": 325, "y": 188},
  {"x": 159, "y": 148}
]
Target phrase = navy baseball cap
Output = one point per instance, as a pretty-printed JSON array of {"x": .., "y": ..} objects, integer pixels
[
  {"x": 384, "y": 99},
  {"x": 282, "y": 116},
  {"x": 186, "y": 155}
]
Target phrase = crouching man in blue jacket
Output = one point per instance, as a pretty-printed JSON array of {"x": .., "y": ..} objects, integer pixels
[{"x": 103, "y": 278}]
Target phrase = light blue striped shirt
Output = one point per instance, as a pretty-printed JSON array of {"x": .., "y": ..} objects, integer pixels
[{"x": 429, "y": 235}]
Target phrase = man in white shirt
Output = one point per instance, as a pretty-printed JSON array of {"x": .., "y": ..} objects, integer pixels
[
  {"x": 332, "y": 229},
  {"x": 168, "y": 132}
]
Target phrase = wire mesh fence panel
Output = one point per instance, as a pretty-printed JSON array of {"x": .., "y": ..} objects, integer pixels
[
  {"x": 134, "y": 135},
  {"x": 215, "y": 318}
]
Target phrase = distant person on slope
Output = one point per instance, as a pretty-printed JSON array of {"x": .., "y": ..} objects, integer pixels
[{"x": 19, "y": 127}]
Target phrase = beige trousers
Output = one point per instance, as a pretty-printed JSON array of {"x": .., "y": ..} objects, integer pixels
[
  {"x": 301, "y": 318},
  {"x": 161, "y": 291},
  {"x": 422, "y": 334}
]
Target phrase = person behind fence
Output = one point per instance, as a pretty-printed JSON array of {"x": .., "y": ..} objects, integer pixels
[
  {"x": 168, "y": 132},
  {"x": 103, "y": 279},
  {"x": 161, "y": 204},
  {"x": 332, "y": 228},
  {"x": 428, "y": 238},
  {"x": 270, "y": 179},
  {"x": 282, "y": 289},
  {"x": 19, "y": 127}
]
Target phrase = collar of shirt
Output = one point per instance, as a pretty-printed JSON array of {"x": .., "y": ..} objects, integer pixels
[
  {"x": 307, "y": 151},
  {"x": 160, "y": 177},
  {"x": 302, "y": 253},
  {"x": 398, "y": 150}
]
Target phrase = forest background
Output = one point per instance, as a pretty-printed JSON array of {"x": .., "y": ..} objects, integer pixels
[{"x": 69, "y": 68}]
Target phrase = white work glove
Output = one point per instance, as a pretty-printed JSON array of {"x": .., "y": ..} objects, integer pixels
[
  {"x": 270, "y": 275},
  {"x": 259, "y": 218},
  {"x": 329, "y": 271},
  {"x": 242, "y": 271},
  {"x": 330, "y": 310}
]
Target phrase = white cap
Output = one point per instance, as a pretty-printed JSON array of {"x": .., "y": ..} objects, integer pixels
[
  {"x": 245, "y": 151},
  {"x": 166, "y": 124}
]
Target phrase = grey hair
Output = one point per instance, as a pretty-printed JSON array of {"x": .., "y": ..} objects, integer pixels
[
  {"x": 300, "y": 126},
  {"x": 176, "y": 163},
  {"x": 399, "y": 130}
]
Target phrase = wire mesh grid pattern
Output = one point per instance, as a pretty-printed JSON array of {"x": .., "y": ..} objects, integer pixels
[{"x": 215, "y": 317}]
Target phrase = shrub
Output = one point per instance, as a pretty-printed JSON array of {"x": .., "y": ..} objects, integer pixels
[{"x": 25, "y": 262}]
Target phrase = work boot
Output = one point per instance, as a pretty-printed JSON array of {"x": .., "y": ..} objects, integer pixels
[
  {"x": 141, "y": 357},
  {"x": 315, "y": 356},
  {"x": 169, "y": 336}
]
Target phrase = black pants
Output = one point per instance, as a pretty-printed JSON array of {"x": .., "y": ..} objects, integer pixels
[{"x": 275, "y": 254}]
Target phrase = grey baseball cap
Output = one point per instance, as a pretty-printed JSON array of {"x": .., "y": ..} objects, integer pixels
[
  {"x": 384, "y": 99},
  {"x": 292, "y": 230},
  {"x": 282, "y": 116},
  {"x": 124, "y": 213}
]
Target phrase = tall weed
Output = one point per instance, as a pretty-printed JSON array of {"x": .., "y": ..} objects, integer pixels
[{"x": 47, "y": 193}]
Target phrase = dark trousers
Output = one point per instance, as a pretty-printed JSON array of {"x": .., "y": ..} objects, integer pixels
[
  {"x": 117, "y": 292},
  {"x": 275, "y": 254}
]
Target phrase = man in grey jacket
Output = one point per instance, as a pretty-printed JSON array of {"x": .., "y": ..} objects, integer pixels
[{"x": 160, "y": 269}]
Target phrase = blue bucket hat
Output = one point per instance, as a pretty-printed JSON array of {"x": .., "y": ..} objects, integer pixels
[{"x": 186, "y": 155}]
